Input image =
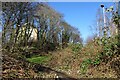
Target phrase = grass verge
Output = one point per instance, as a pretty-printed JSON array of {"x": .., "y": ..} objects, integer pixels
[{"x": 39, "y": 59}]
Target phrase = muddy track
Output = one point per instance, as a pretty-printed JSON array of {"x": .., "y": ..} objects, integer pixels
[{"x": 60, "y": 75}]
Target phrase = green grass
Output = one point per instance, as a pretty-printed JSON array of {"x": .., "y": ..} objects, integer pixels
[{"x": 39, "y": 59}]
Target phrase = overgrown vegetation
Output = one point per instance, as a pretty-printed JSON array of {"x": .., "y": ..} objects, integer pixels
[
  {"x": 110, "y": 47},
  {"x": 38, "y": 42}
]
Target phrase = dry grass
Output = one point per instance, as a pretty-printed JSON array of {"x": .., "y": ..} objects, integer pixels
[{"x": 68, "y": 62}]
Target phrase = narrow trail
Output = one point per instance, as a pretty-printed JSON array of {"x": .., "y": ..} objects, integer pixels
[{"x": 60, "y": 75}]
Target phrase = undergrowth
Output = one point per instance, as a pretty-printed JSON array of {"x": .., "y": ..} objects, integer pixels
[{"x": 109, "y": 48}]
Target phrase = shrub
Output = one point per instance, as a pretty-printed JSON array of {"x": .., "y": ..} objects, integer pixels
[
  {"x": 84, "y": 65},
  {"x": 109, "y": 48},
  {"x": 96, "y": 61},
  {"x": 76, "y": 47}
]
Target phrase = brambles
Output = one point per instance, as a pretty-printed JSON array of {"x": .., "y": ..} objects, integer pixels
[
  {"x": 87, "y": 62},
  {"x": 84, "y": 65},
  {"x": 76, "y": 47},
  {"x": 109, "y": 49},
  {"x": 96, "y": 61}
]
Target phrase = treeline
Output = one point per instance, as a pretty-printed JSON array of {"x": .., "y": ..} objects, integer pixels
[{"x": 31, "y": 24}]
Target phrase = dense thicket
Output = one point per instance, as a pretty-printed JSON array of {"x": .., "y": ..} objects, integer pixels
[{"x": 106, "y": 41}]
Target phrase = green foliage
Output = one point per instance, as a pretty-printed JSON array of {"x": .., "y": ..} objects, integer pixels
[
  {"x": 116, "y": 18},
  {"x": 96, "y": 61},
  {"x": 76, "y": 47},
  {"x": 110, "y": 47},
  {"x": 84, "y": 65}
]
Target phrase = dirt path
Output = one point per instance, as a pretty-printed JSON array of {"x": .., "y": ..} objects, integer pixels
[{"x": 59, "y": 75}]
